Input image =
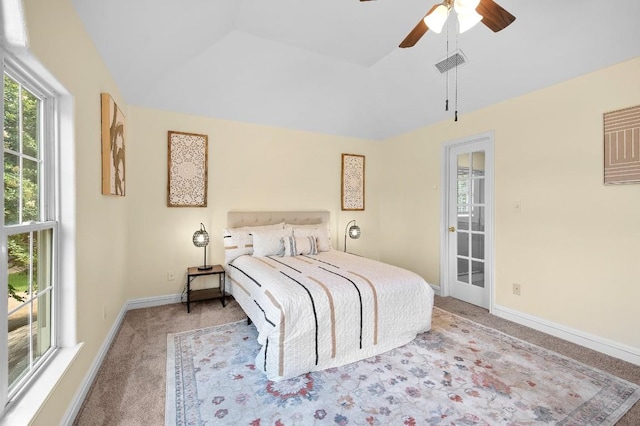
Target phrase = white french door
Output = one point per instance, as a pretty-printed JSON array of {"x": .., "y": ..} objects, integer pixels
[{"x": 467, "y": 263}]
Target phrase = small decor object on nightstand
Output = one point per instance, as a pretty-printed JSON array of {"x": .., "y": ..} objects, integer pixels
[
  {"x": 353, "y": 231},
  {"x": 201, "y": 239}
]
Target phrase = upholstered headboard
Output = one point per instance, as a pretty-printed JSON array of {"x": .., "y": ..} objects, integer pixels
[{"x": 237, "y": 219}]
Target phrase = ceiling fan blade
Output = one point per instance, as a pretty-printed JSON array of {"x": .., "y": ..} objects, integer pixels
[
  {"x": 418, "y": 31},
  {"x": 494, "y": 16}
]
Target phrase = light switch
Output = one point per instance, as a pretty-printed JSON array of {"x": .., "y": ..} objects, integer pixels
[{"x": 517, "y": 206}]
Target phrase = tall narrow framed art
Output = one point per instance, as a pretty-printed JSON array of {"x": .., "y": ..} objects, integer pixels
[
  {"x": 113, "y": 147},
  {"x": 352, "y": 192},
  {"x": 187, "y": 169}
]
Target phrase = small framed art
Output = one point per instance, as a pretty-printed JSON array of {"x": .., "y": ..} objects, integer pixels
[
  {"x": 187, "y": 169},
  {"x": 352, "y": 182}
]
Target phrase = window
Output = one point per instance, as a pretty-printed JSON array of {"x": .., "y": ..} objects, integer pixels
[{"x": 29, "y": 229}]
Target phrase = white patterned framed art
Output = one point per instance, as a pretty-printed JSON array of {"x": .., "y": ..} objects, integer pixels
[
  {"x": 187, "y": 170},
  {"x": 352, "y": 182}
]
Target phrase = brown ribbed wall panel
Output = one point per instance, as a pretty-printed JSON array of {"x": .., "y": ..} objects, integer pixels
[{"x": 622, "y": 146}]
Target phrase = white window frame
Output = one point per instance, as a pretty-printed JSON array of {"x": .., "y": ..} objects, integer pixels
[
  {"x": 48, "y": 219},
  {"x": 25, "y": 404}
]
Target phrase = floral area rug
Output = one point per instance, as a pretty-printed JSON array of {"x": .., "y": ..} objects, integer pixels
[{"x": 458, "y": 373}]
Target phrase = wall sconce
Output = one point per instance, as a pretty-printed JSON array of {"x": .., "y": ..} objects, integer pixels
[
  {"x": 201, "y": 239},
  {"x": 353, "y": 232}
]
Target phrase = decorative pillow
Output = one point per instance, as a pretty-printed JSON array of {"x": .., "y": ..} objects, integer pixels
[
  {"x": 269, "y": 243},
  {"x": 239, "y": 241},
  {"x": 295, "y": 246},
  {"x": 320, "y": 232}
]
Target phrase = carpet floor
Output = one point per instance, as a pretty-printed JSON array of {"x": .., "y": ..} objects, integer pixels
[{"x": 130, "y": 386}]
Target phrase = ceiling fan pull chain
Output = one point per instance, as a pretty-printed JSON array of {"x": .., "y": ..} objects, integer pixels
[
  {"x": 456, "y": 113},
  {"x": 446, "y": 104}
]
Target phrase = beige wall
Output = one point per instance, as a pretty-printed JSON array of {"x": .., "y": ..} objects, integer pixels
[
  {"x": 251, "y": 167},
  {"x": 574, "y": 247},
  {"x": 58, "y": 39}
]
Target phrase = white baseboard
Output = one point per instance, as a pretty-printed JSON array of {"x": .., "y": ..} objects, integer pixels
[
  {"x": 149, "y": 302},
  {"x": 80, "y": 396},
  {"x": 597, "y": 343},
  {"x": 436, "y": 289}
]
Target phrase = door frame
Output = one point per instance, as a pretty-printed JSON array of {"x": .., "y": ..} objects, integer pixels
[{"x": 445, "y": 187}]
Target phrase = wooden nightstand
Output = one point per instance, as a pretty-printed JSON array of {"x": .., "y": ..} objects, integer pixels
[{"x": 206, "y": 293}]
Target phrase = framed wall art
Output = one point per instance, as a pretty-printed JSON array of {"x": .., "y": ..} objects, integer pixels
[
  {"x": 352, "y": 182},
  {"x": 113, "y": 147},
  {"x": 622, "y": 146},
  {"x": 187, "y": 170}
]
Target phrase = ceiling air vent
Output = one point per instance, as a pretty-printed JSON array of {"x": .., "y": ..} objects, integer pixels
[{"x": 450, "y": 62}]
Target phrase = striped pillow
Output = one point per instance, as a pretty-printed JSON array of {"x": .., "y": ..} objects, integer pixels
[
  {"x": 319, "y": 232},
  {"x": 295, "y": 246}
]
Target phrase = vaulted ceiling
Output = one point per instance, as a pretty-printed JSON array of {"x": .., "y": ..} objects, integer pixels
[{"x": 334, "y": 66}]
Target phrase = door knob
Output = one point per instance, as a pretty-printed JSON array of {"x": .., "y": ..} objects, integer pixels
[{"x": 452, "y": 229}]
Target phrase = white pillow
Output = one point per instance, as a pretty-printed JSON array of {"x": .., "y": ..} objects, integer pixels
[
  {"x": 320, "y": 232},
  {"x": 239, "y": 241},
  {"x": 269, "y": 243},
  {"x": 296, "y": 246}
]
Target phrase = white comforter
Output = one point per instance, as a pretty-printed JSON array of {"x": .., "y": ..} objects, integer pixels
[{"x": 331, "y": 309}]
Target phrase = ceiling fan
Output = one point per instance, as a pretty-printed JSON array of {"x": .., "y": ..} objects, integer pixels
[{"x": 469, "y": 12}]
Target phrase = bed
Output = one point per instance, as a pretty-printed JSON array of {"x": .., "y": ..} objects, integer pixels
[{"x": 315, "y": 307}]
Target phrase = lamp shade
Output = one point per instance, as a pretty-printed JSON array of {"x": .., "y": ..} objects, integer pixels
[
  {"x": 436, "y": 19},
  {"x": 352, "y": 231},
  {"x": 201, "y": 237}
]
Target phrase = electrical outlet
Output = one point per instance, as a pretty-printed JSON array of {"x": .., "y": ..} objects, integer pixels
[
  {"x": 171, "y": 276},
  {"x": 516, "y": 289}
]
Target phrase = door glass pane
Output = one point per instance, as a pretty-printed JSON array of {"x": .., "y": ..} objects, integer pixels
[
  {"x": 477, "y": 218},
  {"x": 477, "y": 164},
  {"x": 477, "y": 269},
  {"x": 463, "y": 270},
  {"x": 463, "y": 166},
  {"x": 478, "y": 191},
  {"x": 477, "y": 246},
  {"x": 463, "y": 244},
  {"x": 462, "y": 195},
  {"x": 463, "y": 221}
]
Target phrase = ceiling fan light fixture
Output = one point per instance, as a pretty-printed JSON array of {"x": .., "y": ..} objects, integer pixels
[
  {"x": 468, "y": 20},
  {"x": 436, "y": 19},
  {"x": 465, "y": 6}
]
